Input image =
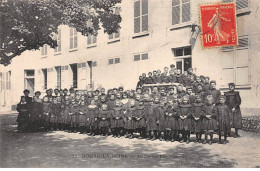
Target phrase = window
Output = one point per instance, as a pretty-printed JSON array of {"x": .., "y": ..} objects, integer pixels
[
  {"x": 44, "y": 51},
  {"x": 1, "y": 82},
  {"x": 58, "y": 71},
  {"x": 140, "y": 16},
  {"x": 73, "y": 38},
  {"x": 114, "y": 35},
  {"x": 92, "y": 39},
  {"x": 137, "y": 57},
  {"x": 180, "y": 11},
  {"x": 110, "y": 61},
  {"x": 74, "y": 70},
  {"x": 58, "y": 38},
  {"x": 183, "y": 58},
  {"x": 236, "y": 63},
  {"x": 143, "y": 56},
  {"x": 117, "y": 60},
  {"x": 94, "y": 63},
  {"x": 8, "y": 80},
  {"x": 29, "y": 80},
  {"x": 44, "y": 71},
  {"x": 240, "y": 4}
]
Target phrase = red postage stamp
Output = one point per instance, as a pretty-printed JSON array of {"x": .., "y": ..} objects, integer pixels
[{"x": 218, "y": 24}]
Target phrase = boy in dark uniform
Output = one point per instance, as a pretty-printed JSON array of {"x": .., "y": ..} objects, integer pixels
[
  {"x": 178, "y": 76},
  {"x": 140, "y": 124},
  {"x": 172, "y": 77},
  {"x": 233, "y": 101},
  {"x": 56, "y": 110},
  {"x": 150, "y": 79},
  {"x": 223, "y": 118},
  {"x": 117, "y": 121},
  {"x": 151, "y": 115},
  {"x": 200, "y": 92},
  {"x": 180, "y": 91},
  {"x": 92, "y": 112},
  {"x": 140, "y": 83},
  {"x": 82, "y": 110},
  {"x": 190, "y": 95},
  {"x": 206, "y": 84},
  {"x": 185, "y": 119},
  {"x": 64, "y": 115},
  {"x": 197, "y": 118},
  {"x": 46, "y": 112},
  {"x": 129, "y": 124},
  {"x": 161, "y": 126},
  {"x": 214, "y": 92},
  {"x": 104, "y": 120},
  {"x": 209, "y": 118}
]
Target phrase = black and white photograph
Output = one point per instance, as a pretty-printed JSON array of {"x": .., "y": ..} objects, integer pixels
[{"x": 129, "y": 84}]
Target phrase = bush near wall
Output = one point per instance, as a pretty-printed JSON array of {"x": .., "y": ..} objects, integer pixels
[{"x": 251, "y": 124}]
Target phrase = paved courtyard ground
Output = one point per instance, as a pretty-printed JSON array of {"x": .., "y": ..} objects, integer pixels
[{"x": 62, "y": 149}]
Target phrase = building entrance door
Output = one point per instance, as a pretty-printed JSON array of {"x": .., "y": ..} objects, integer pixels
[{"x": 74, "y": 70}]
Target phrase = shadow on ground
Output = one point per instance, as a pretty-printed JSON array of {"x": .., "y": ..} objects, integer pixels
[{"x": 61, "y": 149}]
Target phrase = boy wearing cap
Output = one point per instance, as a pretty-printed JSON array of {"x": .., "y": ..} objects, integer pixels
[
  {"x": 233, "y": 101},
  {"x": 223, "y": 118}
]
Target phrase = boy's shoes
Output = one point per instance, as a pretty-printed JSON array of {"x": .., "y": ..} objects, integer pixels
[
  {"x": 225, "y": 142},
  {"x": 161, "y": 139},
  {"x": 235, "y": 136},
  {"x": 181, "y": 141},
  {"x": 172, "y": 140},
  {"x": 119, "y": 136},
  {"x": 204, "y": 142},
  {"x": 210, "y": 142},
  {"x": 188, "y": 141}
]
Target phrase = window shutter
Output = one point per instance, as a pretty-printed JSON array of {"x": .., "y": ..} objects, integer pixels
[
  {"x": 185, "y": 10},
  {"x": 83, "y": 64},
  {"x": 242, "y": 4},
  {"x": 144, "y": 15},
  {"x": 89, "y": 39},
  {"x": 75, "y": 41},
  {"x": 94, "y": 39},
  {"x": 136, "y": 16},
  {"x": 243, "y": 42},
  {"x": 175, "y": 12}
]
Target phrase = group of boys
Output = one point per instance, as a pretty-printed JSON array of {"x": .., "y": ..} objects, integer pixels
[{"x": 171, "y": 113}]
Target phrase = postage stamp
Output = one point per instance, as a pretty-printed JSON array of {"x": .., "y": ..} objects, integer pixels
[{"x": 218, "y": 24}]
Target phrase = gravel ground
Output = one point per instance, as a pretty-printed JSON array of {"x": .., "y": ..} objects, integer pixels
[{"x": 62, "y": 149}]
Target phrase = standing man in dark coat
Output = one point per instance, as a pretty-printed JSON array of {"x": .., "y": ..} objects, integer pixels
[{"x": 233, "y": 101}]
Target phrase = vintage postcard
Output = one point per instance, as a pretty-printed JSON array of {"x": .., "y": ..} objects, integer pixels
[{"x": 129, "y": 84}]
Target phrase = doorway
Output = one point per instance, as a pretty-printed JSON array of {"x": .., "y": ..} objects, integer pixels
[{"x": 74, "y": 70}]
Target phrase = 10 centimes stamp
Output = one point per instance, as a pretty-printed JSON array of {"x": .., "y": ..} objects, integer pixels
[{"x": 218, "y": 25}]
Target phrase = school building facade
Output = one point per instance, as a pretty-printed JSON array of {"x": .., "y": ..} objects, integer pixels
[{"x": 153, "y": 34}]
